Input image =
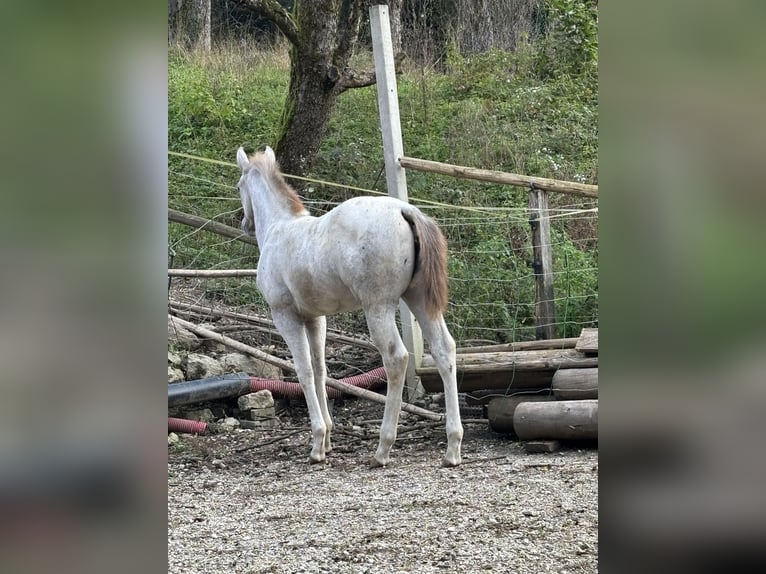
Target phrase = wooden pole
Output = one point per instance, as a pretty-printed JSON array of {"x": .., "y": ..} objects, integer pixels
[
  {"x": 288, "y": 366},
  {"x": 396, "y": 180},
  {"x": 209, "y": 225},
  {"x": 528, "y": 181},
  {"x": 542, "y": 262},
  {"x": 556, "y": 420}
]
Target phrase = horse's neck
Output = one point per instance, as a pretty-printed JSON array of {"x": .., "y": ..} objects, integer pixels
[{"x": 272, "y": 209}]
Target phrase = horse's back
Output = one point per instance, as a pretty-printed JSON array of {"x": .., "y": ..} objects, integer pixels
[
  {"x": 356, "y": 255},
  {"x": 371, "y": 243}
]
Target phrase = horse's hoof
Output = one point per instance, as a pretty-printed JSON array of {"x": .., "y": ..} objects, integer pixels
[
  {"x": 446, "y": 463},
  {"x": 375, "y": 463},
  {"x": 316, "y": 460}
]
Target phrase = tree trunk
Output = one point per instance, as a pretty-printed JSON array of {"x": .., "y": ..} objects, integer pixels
[
  {"x": 310, "y": 100},
  {"x": 189, "y": 23},
  {"x": 395, "y": 15},
  {"x": 322, "y": 36},
  {"x": 326, "y": 36}
]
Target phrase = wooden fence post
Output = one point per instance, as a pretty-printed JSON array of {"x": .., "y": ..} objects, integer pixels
[
  {"x": 396, "y": 180},
  {"x": 542, "y": 262}
]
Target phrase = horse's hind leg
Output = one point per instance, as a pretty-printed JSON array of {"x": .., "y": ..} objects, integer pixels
[
  {"x": 442, "y": 347},
  {"x": 316, "y": 330},
  {"x": 294, "y": 332},
  {"x": 381, "y": 321}
]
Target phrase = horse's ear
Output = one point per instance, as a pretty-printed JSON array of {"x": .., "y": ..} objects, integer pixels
[
  {"x": 242, "y": 159},
  {"x": 270, "y": 153}
]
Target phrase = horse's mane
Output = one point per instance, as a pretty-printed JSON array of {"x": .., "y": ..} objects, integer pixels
[{"x": 269, "y": 169}]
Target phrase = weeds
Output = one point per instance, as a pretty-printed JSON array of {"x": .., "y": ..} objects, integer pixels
[{"x": 497, "y": 110}]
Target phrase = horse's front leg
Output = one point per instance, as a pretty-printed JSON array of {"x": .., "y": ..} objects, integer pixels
[
  {"x": 316, "y": 330},
  {"x": 295, "y": 333}
]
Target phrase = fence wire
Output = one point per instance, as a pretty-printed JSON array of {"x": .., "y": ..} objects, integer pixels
[{"x": 491, "y": 277}]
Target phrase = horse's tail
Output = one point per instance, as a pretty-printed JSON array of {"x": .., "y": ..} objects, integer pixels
[{"x": 430, "y": 269}]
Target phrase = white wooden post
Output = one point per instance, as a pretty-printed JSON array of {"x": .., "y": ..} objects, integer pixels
[{"x": 393, "y": 149}]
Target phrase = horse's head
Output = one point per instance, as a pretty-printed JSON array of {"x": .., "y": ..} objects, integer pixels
[
  {"x": 253, "y": 168},
  {"x": 261, "y": 175}
]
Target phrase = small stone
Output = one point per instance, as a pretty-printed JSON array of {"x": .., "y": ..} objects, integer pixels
[
  {"x": 202, "y": 367},
  {"x": 258, "y": 400},
  {"x": 174, "y": 359},
  {"x": 239, "y": 362},
  {"x": 228, "y": 424},
  {"x": 173, "y": 438},
  {"x": 175, "y": 375},
  {"x": 203, "y": 415},
  {"x": 181, "y": 337}
]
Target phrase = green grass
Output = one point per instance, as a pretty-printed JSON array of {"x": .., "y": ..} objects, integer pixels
[{"x": 494, "y": 111}]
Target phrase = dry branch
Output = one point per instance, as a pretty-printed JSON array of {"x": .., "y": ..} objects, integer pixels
[
  {"x": 237, "y": 345},
  {"x": 331, "y": 336},
  {"x": 212, "y": 272},
  {"x": 541, "y": 183},
  {"x": 288, "y": 366},
  {"x": 209, "y": 225}
]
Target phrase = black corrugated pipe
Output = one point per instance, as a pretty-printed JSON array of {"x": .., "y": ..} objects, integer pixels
[
  {"x": 208, "y": 389},
  {"x": 237, "y": 384}
]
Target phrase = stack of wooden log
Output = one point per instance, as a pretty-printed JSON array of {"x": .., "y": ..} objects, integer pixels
[{"x": 542, "y": 391}]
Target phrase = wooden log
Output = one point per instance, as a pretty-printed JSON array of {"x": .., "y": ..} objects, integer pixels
[
  {"x": 287, "y": 365},
  {"x": 567, "y": 343},
  {"x": 509, "y": 370},
  {"x": 500, "y": 410},
  {"x": 209, "y": 225},
  {"x": 499, "y": 381},
  {"x": 515, "y": 360},
  {"x": 588, "y": 341},
  {"x": 557, "y": 420},
  {"x": 575, "y": 384},
  {"x": 492, "y": 176},
  {"x": 482, "y": 397}
]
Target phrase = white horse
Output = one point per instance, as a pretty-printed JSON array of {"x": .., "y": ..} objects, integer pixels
[{"x": 366, "y": 253}]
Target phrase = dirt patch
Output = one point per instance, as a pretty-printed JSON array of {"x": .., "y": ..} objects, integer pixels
[{"x": 249, "y": 501}]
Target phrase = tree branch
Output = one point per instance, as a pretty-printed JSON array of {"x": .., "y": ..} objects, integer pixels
[
  {"x": 349, "y": 21},
  {"x": 351, "y": 78},
  {"x": 274, "y": 11}
]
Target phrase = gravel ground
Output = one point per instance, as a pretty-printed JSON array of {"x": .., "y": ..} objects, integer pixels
[{"x": 248, "y": 501}]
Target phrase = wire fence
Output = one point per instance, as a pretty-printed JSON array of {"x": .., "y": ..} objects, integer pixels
[{"x": 491, "y": 275}]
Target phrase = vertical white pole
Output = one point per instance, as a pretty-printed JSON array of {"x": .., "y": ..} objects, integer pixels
[{"x": 396, "y": 180}]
